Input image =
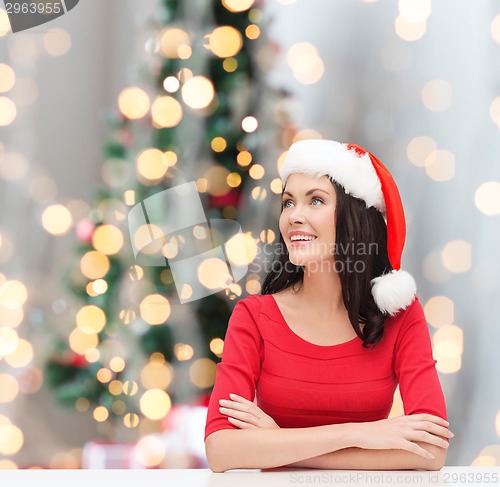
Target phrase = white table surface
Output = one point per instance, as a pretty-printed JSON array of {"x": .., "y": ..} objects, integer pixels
[{"x": 278, "y": 477}]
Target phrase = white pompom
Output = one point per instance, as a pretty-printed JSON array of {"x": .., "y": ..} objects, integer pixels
[{"x": 394, "y": 291}]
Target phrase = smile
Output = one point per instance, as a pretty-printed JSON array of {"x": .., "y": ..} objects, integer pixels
[{"x": 297, "y": 243}]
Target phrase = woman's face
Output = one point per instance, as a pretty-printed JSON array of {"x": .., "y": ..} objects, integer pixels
[{"x": 308, "y": 207}]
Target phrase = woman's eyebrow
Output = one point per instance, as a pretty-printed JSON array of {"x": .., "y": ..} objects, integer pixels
[{"x": 309, "y": 192}]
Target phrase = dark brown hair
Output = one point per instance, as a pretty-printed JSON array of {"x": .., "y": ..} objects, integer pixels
[{"x": 359, "y": 230}]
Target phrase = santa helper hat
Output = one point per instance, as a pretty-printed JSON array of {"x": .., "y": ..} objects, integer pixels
[{"x": 362, "y": 175}]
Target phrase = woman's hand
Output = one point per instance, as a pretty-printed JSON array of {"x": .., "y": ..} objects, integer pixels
[
  {"x": 245, "y": 414},
  {"x": 402, "y": 432}
]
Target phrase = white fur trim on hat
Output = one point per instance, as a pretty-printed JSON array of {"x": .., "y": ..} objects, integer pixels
[
  {"x": 394, "y": 291},
  {"x": 321, "y": 157}
]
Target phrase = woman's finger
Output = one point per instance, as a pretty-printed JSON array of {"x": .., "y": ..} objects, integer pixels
[
  {"x": 240, "y": 424},
  {"x": 242, "y": 416},
  {"x": 414, "y": 448},
  {"x": 428, "y": 417},
  {"x": 237, "y": 398},
  {"x": 237, "y": 406},
  {"x": 425, "y": 437},
  {"x": 433, "y": 428}
]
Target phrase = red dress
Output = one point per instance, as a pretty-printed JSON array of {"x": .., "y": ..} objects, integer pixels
[{"x": 300, "y": 384}]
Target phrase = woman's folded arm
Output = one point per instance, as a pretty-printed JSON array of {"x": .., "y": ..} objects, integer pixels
[
  {"x": 361, "y": 459},
  {"x": 272, "y": 447}
]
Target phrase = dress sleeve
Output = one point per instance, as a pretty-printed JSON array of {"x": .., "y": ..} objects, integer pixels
[
  {"x": 239, "y": 369},
  {"x": 415, "y": 366}
]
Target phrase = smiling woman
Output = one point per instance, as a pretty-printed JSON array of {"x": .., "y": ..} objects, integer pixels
[{"x": 310, "y": 366}]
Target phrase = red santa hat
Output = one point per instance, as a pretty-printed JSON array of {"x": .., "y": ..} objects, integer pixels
[{"x": 362, "y": 175}]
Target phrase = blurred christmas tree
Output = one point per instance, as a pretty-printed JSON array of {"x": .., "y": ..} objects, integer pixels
[{"x": 132, "y": 350}]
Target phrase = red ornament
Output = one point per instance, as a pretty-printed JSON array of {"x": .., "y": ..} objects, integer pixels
[
  {"x": 77, "y": 360},
  {"x": 85, "y": 230},
  {"x": 229, "y": 199}
]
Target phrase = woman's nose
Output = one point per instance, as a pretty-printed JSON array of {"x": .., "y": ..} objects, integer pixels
[{"x": 295, "y": 216}]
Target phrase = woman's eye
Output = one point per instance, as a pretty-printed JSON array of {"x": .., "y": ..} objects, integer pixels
[
  {"x": 285, "y": 203},
  {"x": 318, "y": 200}
]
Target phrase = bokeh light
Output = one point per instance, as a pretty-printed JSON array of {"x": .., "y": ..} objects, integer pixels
[
  {"x": 22, "y": 355},
  {"x": 439, "y": 311},
  {"x": 218, "y": 144},
  {"x": 276, "y": 186},
  {"x": 7, "y": 78},
  {"x": 305, "y": 134},
  {"x": 80, "y": 342},
  {"x": 440, "y": 165},
  {"x": 13, "y": 166},
  {"x": 152, "y": 165},
  {"x": 11, "y": 316},
  {"x": 183, "y": 351},
  {"x": 171, "y": 84},
  {"x": 198, "y": 92},
  {"x": 217, "y": 346},
  {"x": 213, "y": 273},
  {"x": 155, "y": 404},
  {"x": 156, "y": 375},
  {"x": 253, "y": 286},
  {"x": 148, "y": 238},
  {"x": 166, "y": 112},
  {"x": 249, "y": 124},
  {"x": 202, "y": 373},
  {"x": 11, "y": 440},
  {"x": 216, "y": 177},
  {"x": 57, "y": 42},
  {"x": 495, "y": 29},
  {"x": 100, "y": 414},
  {"x": 230, "y": 64},
  {"x": 9, "y": 388},
  {"x": 487, "y": 198},
  {"x": 4, "y": 23},
  {"x": 150, "y": 451},
  {"x": 237, "y": 5},
  {"x": 252, "y": 31},
  {"x": 133, "y": 102},
  {"x": 7, "y": 111},
  {"x": 409, "y": 31},
  {"x": 257, "y": 171},
  {"x": 241, "y": 249},
  {"x": 457, "y": 256},
  {"x": 175, "y": 43},
  {"x": 258, "y": 193},
  {"x": 225, "y": 41},
  {"x": 305, "y": 62},
  {"x": 448, "y": 346},
  {"x": 488, "y": 457},
  {"x": 90, "y": 319},
  {"x": 9, "y": 341},
  {"x": 94, "y": 264},
  {"x": 415, "y": 10},
  {"x": 419, "y": 149},
  {"x": 13, "y": 294},
  {"x": 495, "y": 111},
  {"x": 233, "y": 179},
  {"x": 107, "y": 239},
  {"x": 155, "y": 309},
  {"x": 436, "y": 95},
  {"x": 244, "y": 158}
]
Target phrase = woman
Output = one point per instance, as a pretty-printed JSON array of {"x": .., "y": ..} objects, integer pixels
[{"x": 310, "y": 366}]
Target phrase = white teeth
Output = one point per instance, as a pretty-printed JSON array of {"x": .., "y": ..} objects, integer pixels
[{"x": 301, "y": 237}]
